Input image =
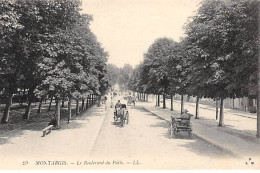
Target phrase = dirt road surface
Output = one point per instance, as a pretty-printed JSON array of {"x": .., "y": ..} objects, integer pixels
[{"x": 94, "y": 141}]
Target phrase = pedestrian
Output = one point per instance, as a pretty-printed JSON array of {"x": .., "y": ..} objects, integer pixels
[{"x": 133, "y": 100}]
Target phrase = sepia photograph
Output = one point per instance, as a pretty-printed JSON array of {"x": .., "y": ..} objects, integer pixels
[{"x": 129, "y": 85}]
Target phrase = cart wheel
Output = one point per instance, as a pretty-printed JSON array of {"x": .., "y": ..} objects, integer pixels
[
  {"x": 190, "y": 134},
  {"x": 114, "y": 119},
  {"x": 175, "y": 132},
  {"x": 121, "y": 120},
  {"x": 170, "y": 130}
]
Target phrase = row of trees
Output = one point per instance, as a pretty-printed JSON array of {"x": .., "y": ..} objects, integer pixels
[
  {"x": 48, "y": 49},
  {"x": 217, "y": 59},
  {"x": 120, "y": 76}
]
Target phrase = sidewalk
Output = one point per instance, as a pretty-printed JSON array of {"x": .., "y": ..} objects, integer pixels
[
  {"x": 226, "y": 110},
  {"x": 229, "y": 138},
  {"x": 73, "y": 140}
]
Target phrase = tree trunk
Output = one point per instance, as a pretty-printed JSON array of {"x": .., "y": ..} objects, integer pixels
[
  {"x": 23, "y": 97},
  {"x": 20, "y": 100},
  {"x": 62, "y": 103},
  {"x": 56, "y": 102},
  {"x": 58, "y": 112},
  {"x": 221, "y": 115},
  {"x": 77, "y": 107},
  {"x": 216, "y": 109},
  {"x": 147, "y": 97},
  {"x": 159, "y": 100},
  {"x": 28, "y": 109},
  {"x": 83, "y": 105},
  {"x": 50, "y": 104},
  {"x": 182, "y": 104},
  {"x": 7, "y": 109},
  {"x": 90, "y": 100},
  {"x": 188, "y": 98},
  {"x": 258, "y": 115},
  {"x": 197, "y": 108},
  {"x": 87, "y": 102},
  {"x": 40, "y": 106},
  {"x": 258, "y": 104},
  {"x": 156, "y": 100},
  {"x": 171, "y": 102},
  {"x": 69, "y": 109},
  {"x": 164, "y": 103}
]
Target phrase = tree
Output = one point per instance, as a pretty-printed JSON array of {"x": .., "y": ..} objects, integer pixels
[
  {"x": 113, "y": 73},
  {"x": 223, "y": 37},
  {"x": 10, "y": 63},
  {"x": 124, "y": 76},
  {"x": 73, "y": 63},
  {"x": 177, "y": 71},
  {"x": 155, "y": 67}
]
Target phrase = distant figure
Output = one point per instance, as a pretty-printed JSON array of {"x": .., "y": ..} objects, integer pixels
[
  {"x": 53, "y": 122},
  {"x": 184, "y": 115},
  {"x": 118, "y": 104},
  {"x": 133, "y": 100}
]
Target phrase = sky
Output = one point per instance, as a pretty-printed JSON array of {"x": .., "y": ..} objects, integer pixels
[{"x": 126, "y": 28}]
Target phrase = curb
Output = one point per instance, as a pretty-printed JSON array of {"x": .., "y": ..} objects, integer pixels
[
  {"x": 221, "y": 147},
  {"x": 97, "y": 134},
  {"x": 205, "y": 139}
]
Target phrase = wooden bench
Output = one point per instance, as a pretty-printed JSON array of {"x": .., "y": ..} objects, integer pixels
[{"x": 47, "y": 130}]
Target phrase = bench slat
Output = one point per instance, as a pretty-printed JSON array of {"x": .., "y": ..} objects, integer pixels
[{"x": 48, "y": 127}]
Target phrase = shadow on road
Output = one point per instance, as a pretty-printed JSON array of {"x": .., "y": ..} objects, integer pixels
[
  {"x": 192, "y": 143},
  {"x": 35, "y": 124},
  {"x": 244, "y": 134}
]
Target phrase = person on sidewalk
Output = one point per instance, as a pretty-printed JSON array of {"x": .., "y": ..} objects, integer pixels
[
  {"x": 184, "y": 115},
  {"x": 133, "y": 100}
]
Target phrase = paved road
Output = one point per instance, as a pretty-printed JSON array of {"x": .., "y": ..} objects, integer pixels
[{"x": 146, "y": 139}]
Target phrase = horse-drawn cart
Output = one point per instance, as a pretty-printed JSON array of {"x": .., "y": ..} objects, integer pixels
[
  {"x": 131, "y": 100},
  {"x": 178, "y": 124},
  {"x": 122, "y": 114}
]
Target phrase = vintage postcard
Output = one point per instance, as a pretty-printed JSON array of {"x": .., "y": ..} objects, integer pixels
[{"x": 129, "y": 85}]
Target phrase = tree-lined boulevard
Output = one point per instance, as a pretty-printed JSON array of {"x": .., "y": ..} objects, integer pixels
[
  {"x": 93, "y": 136},
  {"x": 55, "y": 74},
  {"x": 218, "y": 58}
]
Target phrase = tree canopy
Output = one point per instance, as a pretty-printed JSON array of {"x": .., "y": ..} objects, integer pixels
[{"x": 48, "y": 48}]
